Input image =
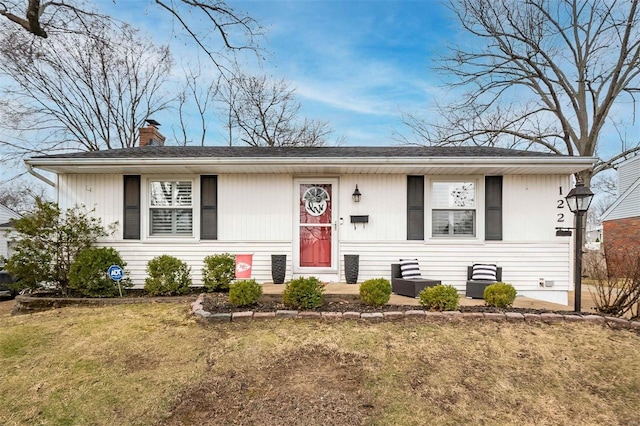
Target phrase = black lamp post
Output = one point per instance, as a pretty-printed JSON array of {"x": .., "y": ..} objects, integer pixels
[{"x": 579, "y": 199}]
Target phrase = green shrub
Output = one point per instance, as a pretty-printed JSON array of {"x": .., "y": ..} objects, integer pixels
[
  {"x": 88, "y": 273},
  {"x": 442, "y": 297},
  {"x": 500, "y": 295},
  {"x": 303, "y": 293},
  {"x": 375, "y": 292},
  {"x": 218, "y": 272},
  {"x": 244, "y": 293},
  {"x": 46, "y": 242},
  {"x": 168, "y": 276}
]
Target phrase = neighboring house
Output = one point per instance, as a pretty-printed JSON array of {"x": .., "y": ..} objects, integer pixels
[
  {"x": 594, "y": 233},
  {"x": 449, "y": 207},
  {"x": 593, "y": 237},
  {"x": 6, "y": 215},
  {"x": 621, "y": 221}
]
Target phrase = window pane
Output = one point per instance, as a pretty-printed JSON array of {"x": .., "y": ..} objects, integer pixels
[
  {"x": 161, "y": 220},
  {"x": 440, "y": 223},
  {"x": 463, "y": 222},
  {"x": 165, "y": 194},
  {"x": 453, "y": 222},
  {"x": 171, "y": 221},
  {"x": 183, "y": 221},
  {"x": 161, "y": 193},
  {"x": 451, "y": 195},
  {"x": 183, "y": 193}
]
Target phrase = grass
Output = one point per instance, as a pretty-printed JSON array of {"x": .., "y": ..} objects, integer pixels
[{"x": 153, "y": 364}]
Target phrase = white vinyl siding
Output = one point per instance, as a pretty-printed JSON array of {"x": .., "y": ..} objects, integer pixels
[
  {"x": 628, "y": 174},
  {"x": 533, "y": 206},
  {"x": 628, "y": 202},
  {"x": 255, "y": 207},
  {"x": 101, "y": 194},
  {"x": 6, "y": 215},
  {"x": 384, "y": 200},
  {"x": 628, "y": 205},
  {"x": 255, "y": 215},
  {"x": 523, "y": 263}
]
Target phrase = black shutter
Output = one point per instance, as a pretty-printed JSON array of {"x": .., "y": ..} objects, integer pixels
[
  {"x": 493, "y": 208},
  {"x": 415, "y": 207},
  {"x": 209, "y": 207},
  {"x": 131, "y": 228}
]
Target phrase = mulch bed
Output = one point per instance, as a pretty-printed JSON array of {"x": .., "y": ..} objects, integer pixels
[{"x": 219, "y": 303}]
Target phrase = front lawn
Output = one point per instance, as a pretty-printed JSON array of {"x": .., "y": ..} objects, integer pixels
[{"x": 153, "y": 364}]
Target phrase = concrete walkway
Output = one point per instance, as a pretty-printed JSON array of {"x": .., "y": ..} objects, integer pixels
[{"x": 521, "y": 302}]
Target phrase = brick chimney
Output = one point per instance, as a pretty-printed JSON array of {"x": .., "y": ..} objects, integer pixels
[{"x": 150, "y": 135}]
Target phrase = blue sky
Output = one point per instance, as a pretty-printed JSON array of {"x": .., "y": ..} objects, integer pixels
[{"x": 356, "y": 64}]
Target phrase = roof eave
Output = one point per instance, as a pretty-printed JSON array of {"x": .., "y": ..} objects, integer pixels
[{"x": 55, "y": 164}]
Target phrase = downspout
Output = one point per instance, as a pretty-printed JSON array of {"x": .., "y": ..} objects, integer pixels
[{"x": 39, "y": 176}]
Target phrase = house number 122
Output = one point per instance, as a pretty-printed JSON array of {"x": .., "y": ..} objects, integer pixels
[{"x": 560, "y": 215}]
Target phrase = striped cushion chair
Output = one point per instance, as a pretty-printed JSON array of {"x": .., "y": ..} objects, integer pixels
[
  {"x": 406, "y": 279},
  {"x": 479, "y": 276}
]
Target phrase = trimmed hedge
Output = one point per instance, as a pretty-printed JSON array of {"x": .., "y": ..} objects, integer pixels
[
  {"x": 443, "y": 297},
  {"x": 303, "y": 293},
  {"x": 168, "y": 276},
  {"x": 375, "y": 292},
  {"x": 244, "y": 293},
  {"x": 500, "y": 295}
]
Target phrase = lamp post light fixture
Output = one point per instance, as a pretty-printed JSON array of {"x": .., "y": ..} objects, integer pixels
[
  {"x": 356, "y": 195},
  {"x": 578, "y": 200}
]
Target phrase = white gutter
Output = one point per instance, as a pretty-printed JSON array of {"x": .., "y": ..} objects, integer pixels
[{"x": 39, "y": 176}]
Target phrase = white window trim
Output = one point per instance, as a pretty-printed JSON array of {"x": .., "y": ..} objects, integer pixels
[
  {"x": 145, "y": 202},
  {"x": 479, "y": 209}
]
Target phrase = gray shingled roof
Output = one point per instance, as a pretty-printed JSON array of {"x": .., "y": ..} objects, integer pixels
[{"x": 301, "y": 152}]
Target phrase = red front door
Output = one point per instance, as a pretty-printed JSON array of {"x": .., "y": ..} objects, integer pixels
[{"x": 316, "y": 227}]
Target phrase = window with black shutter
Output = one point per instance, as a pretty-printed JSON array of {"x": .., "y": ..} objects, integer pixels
[
  {"x": 415, "y": 207},
  {"x": 493, "y": 208},
  {"x": 209, "y": 207},
  {"x": 131, "y": 226}
]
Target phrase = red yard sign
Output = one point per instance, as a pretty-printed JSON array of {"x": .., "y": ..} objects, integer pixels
[{"x": 243, "y": 265}]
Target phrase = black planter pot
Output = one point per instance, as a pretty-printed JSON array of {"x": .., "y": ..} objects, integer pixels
[
  {"x": 351, "y": 268},
  {"x": 278, "y": 268}
]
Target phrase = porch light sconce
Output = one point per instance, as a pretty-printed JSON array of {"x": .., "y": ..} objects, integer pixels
[
  {"x": 578, "y": 200},
  {"x": 356, "y": 195}
]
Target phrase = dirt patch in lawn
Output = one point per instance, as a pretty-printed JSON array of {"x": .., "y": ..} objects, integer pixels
[{"x": 314, "y": 385}]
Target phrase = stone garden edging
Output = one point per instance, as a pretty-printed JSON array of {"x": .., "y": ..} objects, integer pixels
[{"x": 417, "y": 314}]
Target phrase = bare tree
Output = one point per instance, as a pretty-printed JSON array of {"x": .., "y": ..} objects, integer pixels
[
  {"x": 540, "y": 74},
  {"x": 20, "y": 195},
  {"x": 235, "y": 30},
  {"x": 200, "y": 91},
  {"x": 40, "y": 19},
  {"x": 605, "y": 186},
  {"x": 80, "y": 91},
  {"x": 264, "y": 112}
]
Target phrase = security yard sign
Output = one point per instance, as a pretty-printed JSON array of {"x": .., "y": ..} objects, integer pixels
[{"x": 117, "y": 274}]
